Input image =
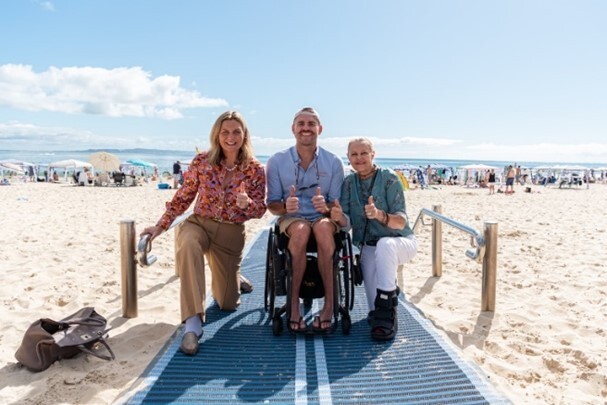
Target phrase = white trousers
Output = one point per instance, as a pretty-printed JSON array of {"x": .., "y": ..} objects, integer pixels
[{"x": 379, "y": 264}]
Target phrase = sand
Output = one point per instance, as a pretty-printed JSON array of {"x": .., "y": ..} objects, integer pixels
[{"x": 545, "y": 342}]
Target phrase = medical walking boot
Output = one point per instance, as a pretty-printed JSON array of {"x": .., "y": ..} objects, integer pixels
[{"x": 384, "y": 324}]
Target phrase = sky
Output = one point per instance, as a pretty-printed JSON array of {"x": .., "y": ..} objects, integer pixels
[{"x": 518, "y": 80}]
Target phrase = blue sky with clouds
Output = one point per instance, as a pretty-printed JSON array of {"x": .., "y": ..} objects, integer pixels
[{"x": 519, "y": 80}]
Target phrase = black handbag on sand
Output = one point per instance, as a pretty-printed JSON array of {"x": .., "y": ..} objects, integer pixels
[{"x": 47, "y": 341}]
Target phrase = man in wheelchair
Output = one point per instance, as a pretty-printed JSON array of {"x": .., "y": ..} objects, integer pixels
[{"x": 303, "y": 181}]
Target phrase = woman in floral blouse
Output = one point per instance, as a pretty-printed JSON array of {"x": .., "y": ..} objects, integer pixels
[{"x": 228, "y": 184}]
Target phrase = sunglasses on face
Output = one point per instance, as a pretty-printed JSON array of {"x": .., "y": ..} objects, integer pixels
[{"x": 311, "y": 186}]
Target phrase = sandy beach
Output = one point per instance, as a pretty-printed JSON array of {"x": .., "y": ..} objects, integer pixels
[{"x": 545, "y": 343}]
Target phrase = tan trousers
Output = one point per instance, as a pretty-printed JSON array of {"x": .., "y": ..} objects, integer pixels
[{"x": 222, "y": 244}]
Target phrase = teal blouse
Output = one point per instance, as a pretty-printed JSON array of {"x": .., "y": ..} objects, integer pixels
[{"x": 388, "y": 195}]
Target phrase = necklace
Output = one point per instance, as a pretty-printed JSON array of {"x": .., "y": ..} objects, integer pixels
[
  {"x": 368, "y": 175},
  {"x": 229, "y": 169}
]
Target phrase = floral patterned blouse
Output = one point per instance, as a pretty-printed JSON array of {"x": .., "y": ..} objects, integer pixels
[{"x": 216, "y": 199}]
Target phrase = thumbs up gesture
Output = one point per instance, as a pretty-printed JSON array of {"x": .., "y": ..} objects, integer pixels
[
  {"x": 292, "y": 203},
  {"x": 337, "y": 212},
  {"x": 371, "y": 210},
  {"x": 319, "y": 203},
  {"x": 242, "y": 198}
]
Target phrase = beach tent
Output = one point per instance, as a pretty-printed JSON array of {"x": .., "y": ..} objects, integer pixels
[
  {"x": 470, "y": 174},
  {"x": 10, "y": 167},
  {"x": 564, "y": 174},
  {"x": 26, "y": 167},
  {"x": 70, "y": 165}
]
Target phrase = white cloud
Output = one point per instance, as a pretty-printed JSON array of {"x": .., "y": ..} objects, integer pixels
[
  {"x": 21, "y": 136},
  {"x": 117, "y": 92},
  {"x": 25, "y": 136},
  {"x": 47, "y": 5}
]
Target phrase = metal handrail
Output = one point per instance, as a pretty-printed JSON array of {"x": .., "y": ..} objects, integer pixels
[
  {"x": 484, "y": 244},
  {"x": 145, "y": 246},
  {"x": 477, "y": 240}
]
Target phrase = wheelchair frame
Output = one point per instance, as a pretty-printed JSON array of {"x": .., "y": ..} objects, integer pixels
[{"x": 279, "y": 276}]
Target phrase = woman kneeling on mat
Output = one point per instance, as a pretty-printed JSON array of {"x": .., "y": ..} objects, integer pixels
[
  {"x": 374, "y": 200},
  {"x": 229, "y": 186}
]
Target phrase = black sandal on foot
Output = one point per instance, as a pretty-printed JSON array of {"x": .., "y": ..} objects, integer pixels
[
  {"x": 295, "y": 326},
  {"x": 318, "y": 325}
]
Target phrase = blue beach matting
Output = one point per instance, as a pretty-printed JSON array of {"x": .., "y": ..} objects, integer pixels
[{"x": 241, "y": 361}]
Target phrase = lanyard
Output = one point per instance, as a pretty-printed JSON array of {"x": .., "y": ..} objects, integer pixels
[{"x": 362, "y": 198}]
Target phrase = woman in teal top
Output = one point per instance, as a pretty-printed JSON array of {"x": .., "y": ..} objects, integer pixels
[{"x": 374, "y": 200}]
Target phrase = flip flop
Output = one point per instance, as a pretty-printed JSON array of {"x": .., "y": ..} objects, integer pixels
[
  {"x": 317, "y": 325},
  {"x": 295, "y": 326}
]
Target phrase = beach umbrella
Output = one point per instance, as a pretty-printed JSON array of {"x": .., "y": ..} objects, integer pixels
[
  {"x": 105, "y": 161},
  {"x": 141, "y": 163}
]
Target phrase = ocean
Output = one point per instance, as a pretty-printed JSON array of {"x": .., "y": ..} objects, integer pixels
[{"x": 164, "y": 159}]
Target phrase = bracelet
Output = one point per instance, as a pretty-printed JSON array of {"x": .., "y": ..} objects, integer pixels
[{"x": 387, "y": 219}]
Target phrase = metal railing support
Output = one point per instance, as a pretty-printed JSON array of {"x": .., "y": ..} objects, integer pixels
[
  {"x": 437, "y": 244},
  {"x": 489, "y": 267},
  {"x": 484, "y": 249},
  {"x": 128, "y": 268},
  {"x": 130, "y": 256}
]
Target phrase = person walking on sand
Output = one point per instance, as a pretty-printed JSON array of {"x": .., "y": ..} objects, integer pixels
[
  {"x": 229, "y": 186},
  {"x": 491, "y": 181},
  {"x": 510, "y": 176},
  {"x": 303, "y": 182}
]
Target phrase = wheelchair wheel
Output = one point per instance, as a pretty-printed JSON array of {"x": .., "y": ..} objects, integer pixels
[
  {"x": 269, "y": 291},
  {"x": 277, "y": 325},
  {"x": 348, "y": 263},
  {"x": 346, "y": 324}
]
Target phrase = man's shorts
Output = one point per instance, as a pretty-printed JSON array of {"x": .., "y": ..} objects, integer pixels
[
  {"x": 284, "y": 223},
  {"x": 510, "y": 181}
]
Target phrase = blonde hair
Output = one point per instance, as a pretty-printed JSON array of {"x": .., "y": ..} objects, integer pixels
[
  {"x": 215, "y": 153},
  {"x": 365, "y": 141}
]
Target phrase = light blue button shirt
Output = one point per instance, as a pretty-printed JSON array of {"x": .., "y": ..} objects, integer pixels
[{"x": 283, "y": 170}]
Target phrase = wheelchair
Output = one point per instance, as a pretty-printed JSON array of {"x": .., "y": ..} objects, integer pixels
[{"x": 279, "y": 276}]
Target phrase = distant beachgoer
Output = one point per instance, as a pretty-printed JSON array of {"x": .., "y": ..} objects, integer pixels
[
  {"x": 491, "y": 181},
  {"x": 517, "y": 176},
  {"x": 510, "y": 176},
  {"x": 83, "y": 179},
  {"x": 176, "y": 174},
  {"x": 420, "y": 177}
]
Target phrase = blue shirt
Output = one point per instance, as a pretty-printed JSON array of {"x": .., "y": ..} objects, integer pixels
[
  {"x": 284, "y": 170},
  {"x": 388, "y": 195}
]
